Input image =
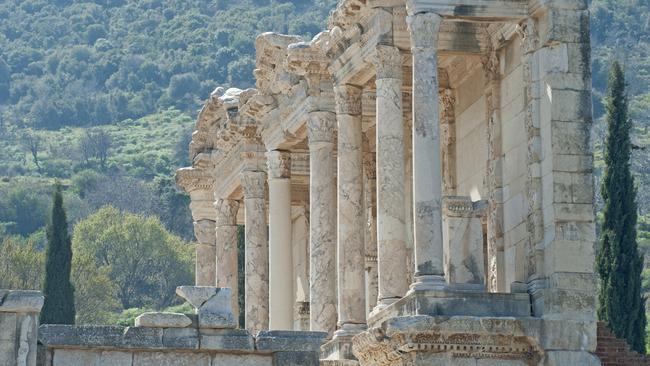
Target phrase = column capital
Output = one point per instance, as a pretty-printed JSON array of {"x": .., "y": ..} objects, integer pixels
[
  {"x": 424, "y": 28},
  {"x": 388, "y": 62},
  {"x": 348, "y": 99},
  {"x": 204, "y": 231},
  {"x": 254, "y": 184},
  {"x": 321, "y": 127},
  {"x": 278, "y": 164},
  {"x": 226, "y": 212}
]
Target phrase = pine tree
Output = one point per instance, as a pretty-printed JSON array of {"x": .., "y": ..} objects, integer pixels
[
  {"x": 619, "y": 262},
  {"x": 59, "y": 293}
]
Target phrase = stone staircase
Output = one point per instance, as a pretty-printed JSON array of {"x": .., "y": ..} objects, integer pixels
[{"x": 616, "y": 352}]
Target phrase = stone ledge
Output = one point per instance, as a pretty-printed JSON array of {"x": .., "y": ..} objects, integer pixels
[
  {"x": 450, "y": 303},
  {"x": 281, "y": 340},
  {"x": 20, "y": 301}
]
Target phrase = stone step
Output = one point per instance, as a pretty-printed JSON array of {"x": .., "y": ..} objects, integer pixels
[{"x": 613, "y": 351}]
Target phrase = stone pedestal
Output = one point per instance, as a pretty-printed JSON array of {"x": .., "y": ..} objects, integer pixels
[
  {"x": 257, "y": 252},
  {"x": 322, "y": 228}
]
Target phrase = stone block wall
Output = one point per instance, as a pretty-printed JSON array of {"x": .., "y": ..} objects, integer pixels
[
  {"x": 19, "y": 311},
  {"x": 62, "y": 345}
]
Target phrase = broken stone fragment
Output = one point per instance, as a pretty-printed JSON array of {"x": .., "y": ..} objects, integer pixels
[
  {"x": 162, "y": 320},
  {"x": 212, "y": 304}
]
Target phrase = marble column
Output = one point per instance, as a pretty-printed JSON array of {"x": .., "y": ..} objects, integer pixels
[
  {"x": 257, "y": 252},
  {"x": 205, "y": 252},
  {"x": 280, "y": 251},
  {"x": 391, "y": 214},
  {"x": 350, "y": 256},
  {"x": 322, "y": 225},
  {"x": 226, "y": 253},
  {"x": 427, "y": 173}
]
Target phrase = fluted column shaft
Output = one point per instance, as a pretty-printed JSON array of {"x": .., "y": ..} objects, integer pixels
[
  {"x": 256, "y": 253},
  {"x": 205, "y": 252},
  {"x": 427, "y": 173},
  {"x": 351, "y": 305},
  {"x": 280, "y": 251},
  {"x": 322, "y": 225},
  {"x": 391, "y": 214},
  {"x": 226, "y": 249}
]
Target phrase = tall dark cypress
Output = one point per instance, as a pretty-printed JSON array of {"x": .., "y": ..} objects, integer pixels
[
  {"x": 59, "y": 293},
  {"x": 619, "y": 262}
]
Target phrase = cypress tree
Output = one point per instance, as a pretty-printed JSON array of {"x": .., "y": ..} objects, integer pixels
[
  {"x": 57, "y": 289},
  {"x": 622, "y": 306}
]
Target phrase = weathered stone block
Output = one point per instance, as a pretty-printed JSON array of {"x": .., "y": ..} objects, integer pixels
[
  {"x": 296, "y": 359},
  {"x": 563, "y": 358},
  {"x": 242, "y": 360},
  {"x": 116, "y": 358},
  {"x": 552, "y": 304},
  {"x": 171, "y": 359},
  {"x": 139, "y": 337},
  {"x": 88, "y": 335},
  {"x": 281, "y": 340},
  {"x": 76, "y": 357},
  {"x": 569, "y": 256},
  {"x": 212, "y": 305},
  {"x": 181, "y": 338},
  {"x": 21, "y": 301},
  {"x": 570, "y": 105},
  {"x": 559, "y": 26},
  {"x": 226, "y": 339},
  {"x": 162, "y": 320}
]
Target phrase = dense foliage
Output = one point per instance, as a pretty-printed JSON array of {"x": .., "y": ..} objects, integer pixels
[
  {"x": 621, "y": 304},
  {"x": 80, "y": 62},
  {"x": 58, "y": 307}
]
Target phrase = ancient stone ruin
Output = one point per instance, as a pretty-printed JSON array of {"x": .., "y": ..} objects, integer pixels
[
  {"x": 424, "y": 171},
  {"x": 416, "y": 188}
]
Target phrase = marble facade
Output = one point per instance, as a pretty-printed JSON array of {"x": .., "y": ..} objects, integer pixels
[{"x": 416, "y": 181}]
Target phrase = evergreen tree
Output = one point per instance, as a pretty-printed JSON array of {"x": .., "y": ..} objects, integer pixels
[
  {"x": 619, "y": 262},
  {"x": 59, "y": 293}
]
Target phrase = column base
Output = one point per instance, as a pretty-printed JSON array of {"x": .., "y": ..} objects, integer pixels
[
  {"x": 428, "y": 283},
  {"x": 383, "y": 304},
  {"x": 340, "y": 347}
]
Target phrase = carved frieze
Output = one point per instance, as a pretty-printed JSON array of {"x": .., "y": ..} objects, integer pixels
[
  {"x": 190, "y": 179},
  {"x": 375, "y": 347}
]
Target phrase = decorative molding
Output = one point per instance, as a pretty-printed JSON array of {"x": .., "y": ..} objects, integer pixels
[
  {"x": 278, "y": 164},
  {"x": 424, "y": 29},
  {"x": 191, "y": 179},
  {"x": 226, "y": 212}
]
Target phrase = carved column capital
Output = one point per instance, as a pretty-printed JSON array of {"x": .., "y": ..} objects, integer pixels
[
  {"x": 321, "y": 127},
  {"x": 278, "y": 164},
  {"x": 424, "y": 28},
  {"x": 388, "y": 62},
  {"x": 348, "y": 99},
  {"x": 204, "y": 231},
  {"x": 254, "y": 184},
  {"x": 226, "y": 212}
]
